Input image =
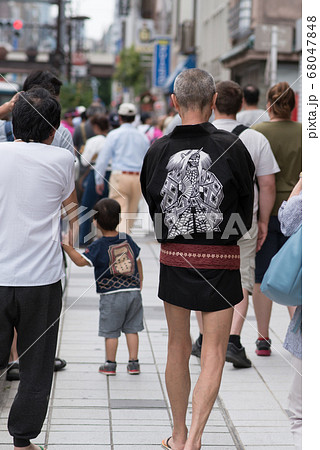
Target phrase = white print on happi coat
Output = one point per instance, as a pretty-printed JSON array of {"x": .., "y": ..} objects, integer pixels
[{"x": 191, "y": 194}]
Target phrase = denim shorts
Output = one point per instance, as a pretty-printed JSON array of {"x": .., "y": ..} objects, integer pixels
[
  {"x": 120, "y": 311},
  {"x": 274, "y": 241}
]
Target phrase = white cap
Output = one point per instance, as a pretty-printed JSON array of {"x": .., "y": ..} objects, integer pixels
[
  {"x": 127, "y": 109},
  {"x": 80, "y": 109}
]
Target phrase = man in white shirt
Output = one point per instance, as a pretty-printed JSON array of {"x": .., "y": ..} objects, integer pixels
[
  {"x": 228, "y": 103},
  {"x": 36, "y": 178}
]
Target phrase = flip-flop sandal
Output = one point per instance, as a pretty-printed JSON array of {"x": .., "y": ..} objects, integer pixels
[
  {"x": 42, "y": 448},
  {"x": 165, "y": 443}
]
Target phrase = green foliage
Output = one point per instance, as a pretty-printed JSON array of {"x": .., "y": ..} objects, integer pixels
[
  {"x": 75, "y": 94},
  {"x": 129, "y": 71}
]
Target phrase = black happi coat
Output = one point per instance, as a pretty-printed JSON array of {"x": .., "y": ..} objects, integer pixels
[{"x": 198, "y": 184}]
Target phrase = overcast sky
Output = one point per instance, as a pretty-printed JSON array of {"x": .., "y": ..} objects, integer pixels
[{"x": 100, "y": 13}]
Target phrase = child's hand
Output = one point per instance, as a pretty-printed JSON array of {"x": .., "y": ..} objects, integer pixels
[{"x": 67, "y": 239}]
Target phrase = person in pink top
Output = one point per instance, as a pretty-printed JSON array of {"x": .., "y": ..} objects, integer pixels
[{"x": 67, "y": 120}]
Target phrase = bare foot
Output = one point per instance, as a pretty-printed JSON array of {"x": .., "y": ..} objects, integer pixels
[{"x": 176, "y": 444}]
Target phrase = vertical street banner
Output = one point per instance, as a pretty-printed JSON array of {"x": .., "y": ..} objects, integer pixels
[{"x": 161, "y": 62}]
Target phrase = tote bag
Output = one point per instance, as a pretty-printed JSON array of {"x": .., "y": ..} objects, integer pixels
[{"x": 282, "y": 282}]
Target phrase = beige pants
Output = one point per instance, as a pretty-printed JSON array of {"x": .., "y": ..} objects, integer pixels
[
  {"x": 125, "y": 188},
  {"x": 295, "y": 403}
]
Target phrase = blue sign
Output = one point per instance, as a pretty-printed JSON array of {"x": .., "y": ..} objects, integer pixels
[{"x": 161, "y": 62}]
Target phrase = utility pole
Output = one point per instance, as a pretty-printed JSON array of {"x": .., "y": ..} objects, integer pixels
[
  {"x": 58, "y": 61},
  {"x": 274, "y": 55}
]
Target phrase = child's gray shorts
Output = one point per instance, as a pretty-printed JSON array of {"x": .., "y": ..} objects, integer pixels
[{"x": 120, "y": 311}]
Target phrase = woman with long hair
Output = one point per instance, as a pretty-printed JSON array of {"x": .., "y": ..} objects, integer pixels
[{"x": 285, "y": 137}]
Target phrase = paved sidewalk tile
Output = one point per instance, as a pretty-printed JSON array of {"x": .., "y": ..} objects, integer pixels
[{"x": 91, "y": 411}]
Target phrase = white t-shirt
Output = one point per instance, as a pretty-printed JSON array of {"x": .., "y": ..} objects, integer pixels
[
  {"x": 260, "y": 151},
  {"x": 34, "y": 180},
  {"x": 249, "y": 117},
  {"x": 92, "y": 147}
]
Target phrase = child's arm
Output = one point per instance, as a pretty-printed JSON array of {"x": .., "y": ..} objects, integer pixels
[
  {"x": 75, "y": 256},
  {"x": 139, "y": 263}
]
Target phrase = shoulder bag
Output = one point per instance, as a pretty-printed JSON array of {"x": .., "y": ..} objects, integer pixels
[{"x": 282, "y": 282}]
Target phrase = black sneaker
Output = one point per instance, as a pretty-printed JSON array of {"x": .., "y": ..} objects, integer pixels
[
  {"x": 133, "y": 367},
  {"x": 263, "y": 347},
  {"x": 13, "y": 373},
  {"x": 237, "y": 356},
  {"x": 109, "y": 368},
  {"x": 196, "y": 349}
]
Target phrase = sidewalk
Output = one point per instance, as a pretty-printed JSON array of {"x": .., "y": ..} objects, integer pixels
[{"x": 89, "y": 411}]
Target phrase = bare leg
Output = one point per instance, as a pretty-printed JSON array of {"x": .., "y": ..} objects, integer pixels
[
  {"x": 14, "y": 354},
  {"x": 177, "y": 371},
  {"x": 216, "y": 330},
  {"x": 199, "y": 320},
  {"x": 133, "y": 345},
  {"x": 262, "y": 308},
  {"x": 240, "y": 313},
  {"x": 111, "y": 348},
  {"x": 291, "y": 310}
]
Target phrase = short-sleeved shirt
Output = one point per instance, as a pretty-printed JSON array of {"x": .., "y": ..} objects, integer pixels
[
  {"x": 63, "y": 139},
  {"x": 92, "y": 148},
  {"x": 259, "y": 149},
  {"x": 34, "y": 180},
  {"x": 285, "y": 138},
  {"x": 115, "y": 263}
]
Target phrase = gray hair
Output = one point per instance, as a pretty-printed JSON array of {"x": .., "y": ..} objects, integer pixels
[{"x": 194, "y": 88}]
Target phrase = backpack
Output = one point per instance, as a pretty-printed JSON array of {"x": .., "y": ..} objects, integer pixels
[
  {"x": 9, "y": 131},
  {"x": 239, "y": 129}
]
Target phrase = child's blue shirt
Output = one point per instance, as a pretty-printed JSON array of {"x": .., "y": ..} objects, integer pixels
[{"x": 115, "y": 263}]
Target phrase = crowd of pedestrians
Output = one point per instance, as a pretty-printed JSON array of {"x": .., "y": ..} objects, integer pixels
[{"x": 223, "y": 185}]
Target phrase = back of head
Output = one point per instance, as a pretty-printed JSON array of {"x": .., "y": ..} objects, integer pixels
[
  {"x": 282, "y": 100},
  {"x": 107, "y": 214},
  {"x": 144, "y": 117},
  {"x": 101, "y": 120},
  {"x": 95, "y": 108},
  {"x": 114, "y": 120},
  {"x": 194, "y": 89},
  {"x": 34, "y": 115},
  {"x": 229, "y": 100},
  {"x": 251, "y": 94},
  {"x": 44, "y": 79}
]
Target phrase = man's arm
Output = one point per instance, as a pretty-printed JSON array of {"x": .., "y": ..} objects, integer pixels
[
  {"x": 267, "y": 196},
  {"x": 7, "y": 107},
  {"x": 102, "y": 164},
  {"x": 71, "y": 206}
]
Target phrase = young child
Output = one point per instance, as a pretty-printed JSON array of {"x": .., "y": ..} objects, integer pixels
[{"x": 118, "y": 274}]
